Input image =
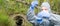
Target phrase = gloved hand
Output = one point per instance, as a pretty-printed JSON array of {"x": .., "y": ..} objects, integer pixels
[
  {"x": 34, "y": 3},
  {"x": 39, "y": 20}
]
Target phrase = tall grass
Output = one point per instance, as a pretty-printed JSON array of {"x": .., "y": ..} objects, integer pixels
[{"x": 11, "y": 6}]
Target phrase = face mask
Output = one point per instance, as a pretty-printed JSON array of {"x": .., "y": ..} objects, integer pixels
[{"x": 45, "y": 14}]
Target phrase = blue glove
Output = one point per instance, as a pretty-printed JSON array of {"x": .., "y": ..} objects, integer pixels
[
  {"x": 33, "y": 4},
  {"x": 39, "y": 20}
]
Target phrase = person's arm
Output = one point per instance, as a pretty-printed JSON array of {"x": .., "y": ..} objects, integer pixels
[
  {"x": 31, "y": 17},
  {"x": 30, "y": 13}
]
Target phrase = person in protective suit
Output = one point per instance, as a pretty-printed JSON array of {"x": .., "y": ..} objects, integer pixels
[
  {"x": 45, "y": 13},
  {"x": 54, "y": 19},
  {"x": 44, "y": 18},
  {"x": 36, "y": 20}
]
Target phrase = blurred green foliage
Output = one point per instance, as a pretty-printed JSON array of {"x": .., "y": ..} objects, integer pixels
[{"x": 12, "y": 6}]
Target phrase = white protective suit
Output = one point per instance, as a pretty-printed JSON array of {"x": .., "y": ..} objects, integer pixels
[{"x": 38, "y": 20}]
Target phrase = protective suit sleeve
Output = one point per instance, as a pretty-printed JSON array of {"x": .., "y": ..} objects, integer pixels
[{"x": 30, "y": 14}]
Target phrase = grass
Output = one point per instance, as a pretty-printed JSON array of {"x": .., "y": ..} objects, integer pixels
[{"x": 11, "y": 6}]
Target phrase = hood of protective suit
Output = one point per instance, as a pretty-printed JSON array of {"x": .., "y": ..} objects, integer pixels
[
  {"x": 44, "y": 13},
  {"x": 47, "y": 5}
]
